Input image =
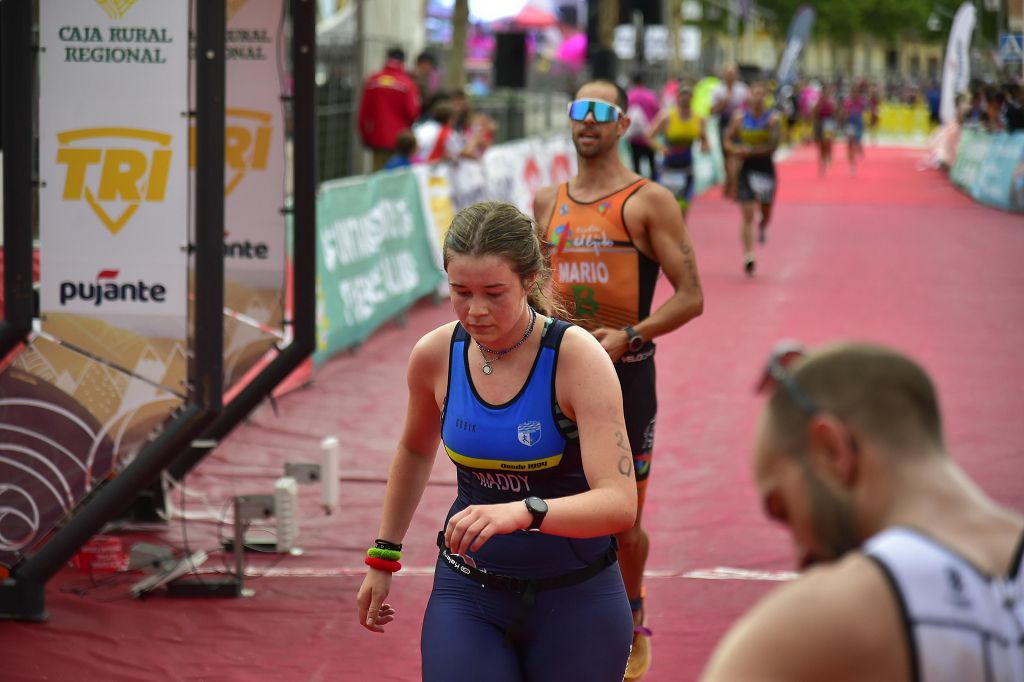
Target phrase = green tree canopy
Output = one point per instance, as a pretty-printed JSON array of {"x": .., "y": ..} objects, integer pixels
[{"x": 842, "y": 20}]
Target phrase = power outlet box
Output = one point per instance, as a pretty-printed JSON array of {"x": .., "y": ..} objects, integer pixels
[
  {"x": 250, "y": 507},
  {"x": 302, "y": 472}
]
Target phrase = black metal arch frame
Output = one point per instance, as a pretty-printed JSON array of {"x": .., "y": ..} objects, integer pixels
[{"x": 303, "y": 211}]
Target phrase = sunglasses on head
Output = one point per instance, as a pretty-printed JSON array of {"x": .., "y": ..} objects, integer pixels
[
  {"x": 603, "y": 111},
  {"x": 776, "y": 374}
]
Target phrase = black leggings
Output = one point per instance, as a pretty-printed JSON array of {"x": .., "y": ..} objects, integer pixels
[{"x": 642, "y": 151}]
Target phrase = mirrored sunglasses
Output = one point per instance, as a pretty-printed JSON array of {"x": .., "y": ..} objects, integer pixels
[{"x": 603, "y": 111}]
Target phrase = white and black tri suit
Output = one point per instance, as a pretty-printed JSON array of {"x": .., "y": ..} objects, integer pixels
[{"x": 961, "y": 625}]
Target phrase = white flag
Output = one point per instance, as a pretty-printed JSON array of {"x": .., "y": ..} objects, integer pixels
[{"x": 956, "y": 72}]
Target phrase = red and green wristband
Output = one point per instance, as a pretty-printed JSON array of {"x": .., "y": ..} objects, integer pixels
[
  {"x": 384, "y": 556},
  {"x": 382, "y": 564}
]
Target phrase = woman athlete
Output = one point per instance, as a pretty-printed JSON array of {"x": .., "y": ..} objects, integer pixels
[
  {"x": 681, "y": 128},
  {"x": 529, "y": 410}
]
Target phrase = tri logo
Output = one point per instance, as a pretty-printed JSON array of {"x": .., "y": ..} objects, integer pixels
[
  {"x": 113, "y": 172},
  {"x": 247, "y": 137},
  {"x": 234, "y": 6}
]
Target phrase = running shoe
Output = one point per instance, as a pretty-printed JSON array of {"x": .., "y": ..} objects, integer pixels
[
  {"x": 749, "y": 265},
  {"x": 640, "y": 655}
]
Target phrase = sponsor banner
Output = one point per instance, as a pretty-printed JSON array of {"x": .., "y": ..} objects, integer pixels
[
  {"x": 904, "y": 120},
  {"x": 974, "y": 147},
  {"x": 374, "y": 257},
  {"x": 109, "y": 364},
  {"x": 1017, "y": 187},
  {"x": 956, "y": 71},
  {"x": 556, "y": 158},
  {"x": 67, "y": 421},
  {"x": 255, "y": 251},
  {"x": 504, "y": 166},
  {"x": 255, "y": 232},
  {"x": 436, "y": 197},
  {"x": 511, "y": 172},
  {"x": 514, "y": 171},
  {"x": 468, "y": 183},
  {"x": 113, "y": 196}
]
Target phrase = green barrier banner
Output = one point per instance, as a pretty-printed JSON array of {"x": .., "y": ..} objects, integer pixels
[
  {"x": 994, "y": 183},
  {"x": 970, "y": 154},
  {"x": 374, "y": 258}
]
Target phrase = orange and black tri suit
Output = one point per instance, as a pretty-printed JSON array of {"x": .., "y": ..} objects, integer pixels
[{"x": 609, "y": 282}]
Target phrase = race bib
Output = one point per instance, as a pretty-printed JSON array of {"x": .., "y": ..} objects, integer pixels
[
  {"x": 762, "y": 185},
  {"x": 673, "y": 180}
]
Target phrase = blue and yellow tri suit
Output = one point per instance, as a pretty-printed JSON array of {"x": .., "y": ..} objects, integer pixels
[
  {"x": 505, "y": 453},
  {"x": 756, "y": 180}
]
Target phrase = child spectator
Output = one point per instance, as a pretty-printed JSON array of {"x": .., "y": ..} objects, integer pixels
[{"x": 405, "y": 150}]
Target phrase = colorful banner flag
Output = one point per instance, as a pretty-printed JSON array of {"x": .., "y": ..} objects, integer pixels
[
  {"x": 796, "y": 39},
  {"x": 956, "y": 72}
]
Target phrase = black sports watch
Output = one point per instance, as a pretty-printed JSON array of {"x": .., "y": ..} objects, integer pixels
[
  {"x": 636, "y": 342},
  {"x": 539, "y": 509}
]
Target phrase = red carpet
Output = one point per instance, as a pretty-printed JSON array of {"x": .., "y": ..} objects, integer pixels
[{"x": 892, "y": 255}]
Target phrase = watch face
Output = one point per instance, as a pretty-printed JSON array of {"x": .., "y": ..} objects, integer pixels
[
  {"x": 536, "y": 505},
  {"x": 636, "y": 343}
]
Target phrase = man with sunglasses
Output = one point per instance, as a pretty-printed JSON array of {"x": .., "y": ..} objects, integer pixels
[
  {"x": 924, "y": 578},
  {"x": 610, "y": 232}
]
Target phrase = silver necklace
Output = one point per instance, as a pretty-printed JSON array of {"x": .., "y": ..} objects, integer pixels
[{"x": 487, "y": 368}]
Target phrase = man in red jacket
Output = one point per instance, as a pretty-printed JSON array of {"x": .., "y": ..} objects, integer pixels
[{"x": 390, "y": 103}]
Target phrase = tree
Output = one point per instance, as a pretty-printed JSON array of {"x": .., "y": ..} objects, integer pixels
[
  {"x": 456, "y": 67},
  {"x": 839, "y": 21}
]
